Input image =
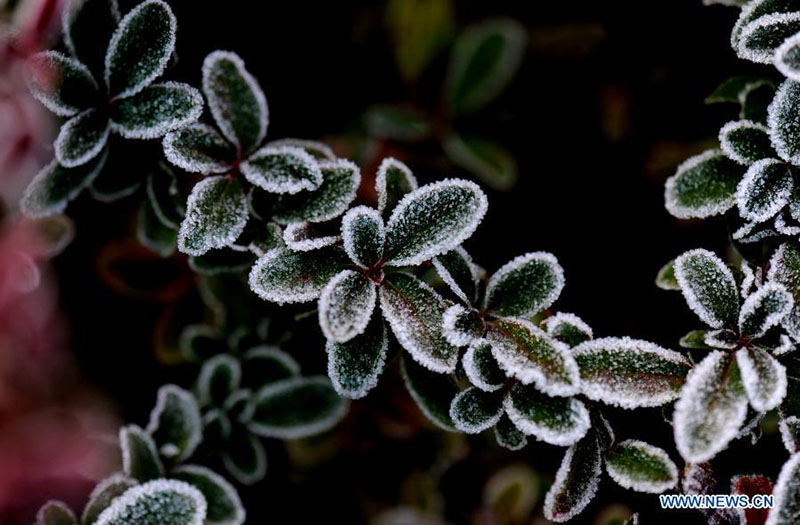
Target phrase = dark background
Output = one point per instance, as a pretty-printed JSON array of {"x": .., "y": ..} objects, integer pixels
[{"x": 595, "y": 132}]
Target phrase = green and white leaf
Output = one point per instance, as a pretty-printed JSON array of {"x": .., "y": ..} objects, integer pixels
[
  {"x": 745, "y": 141},
  {"x": 156, "y": 110},
  {"x": 461, "y": 326},
  {"x": 787, "y": 494},
  {"x": 219, "y": 377},
  {"x": 140, "y": 459},
  {"x": 199, "y": 148},
  {"x": 88, "y": 26},
  {"x": 525, "y": 286},
  {"x": 665, "y": 279},
  {"x": 244, "y": 457},
  {"x": 54, "y": 186},
  {"x": 62, "y": 84},
  {"x": 266, "y": 364},
  {"x": 708, "y": 287},
  {"x": 787, "y": 58},
  {"x": 363, "y": 235},
  {"x": 318, "y": 150},
  {"x": 340, "y": 181},
  {"x": 345, "y": 306},
  {"x": 223, "y": 502},
  {"x": 783, "y": 126},
  {"x": 82, "y": 138},
  {"x": 508, "y": 435},
  {"x": 474, "y": 410},
  {"x": 157, "y": 502},
  {"x": 432, "y": 392},
  {"x": 642, "y": 467},
  {"x": 305, "y": 237},
  {"x": 703, "y": 186},
  {"x": 759, "y": 39},
  {"x": 576, "y": 480},
  {"x": 460, "y": 274},
  {"x": 560, "y": 421},
  {"x": 103, "y": 494},
  {"x": 393, "y": 181},
  {"x": 763, "y": 377},
  {"x": 354, "y": 366},
  {"x": 284, "y": 169},
  {"x": 765, "y": 308},
  {"x": 216, "y": 214},
  {"x": 481, "y": 367},
  {"x": 175, "y": 424},
  {"x": 568, "y": 328},
  {"x": 55, "y": 513},
  {"x": 764, "y": 190}
]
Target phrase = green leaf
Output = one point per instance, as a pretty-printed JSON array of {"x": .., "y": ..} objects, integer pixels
[
  {"x": 712, "y": 408},
  {"x": 55, "y": 513},
  {"x": 508, "y": 435},
  {"x": 484, "y": 60},
  {"x": 284, "y": 169},
  {"x": 175, "y": 424},
  {"x": 199, "y": 342},
  {"x": 763, "y": 377},
  {"x": 481, "y": 367},
  {"x": 152, "y": 233},
  {"x": 758, "y": 40},
  {"x": 559, "y": 421},
  {"x": 363, "y": 235},
  {"x": 755, "y": 101},
  {"x": 568, "y": 328},
  {"x": 224, "y": 505},
  {"x": 140, "y": 48},
  {"x": 220, "y": 377},
  {"x": 54, "y": 186},
  {"x": 527, "y": 353},
  {"x": 216, "y": 214},
  {"x": 745, "y": 141},
  {"x": 224, "y": 260},
  {"x": 244, "y": 457},
  {"x": 642, "y": 467},
  {"x": 787, "y": 494},
  {"x": 284, "y": 276},
  {"x": 82, "y": 138},
  {"x": 704, "y": 185},
  {"x": 784, "y": 268},
  {"x": 340, "y": 181},
  {"x": 525, "y": 285},
  {"x": 666, "y": 277},
  {"x": 354, "y": 366},
  {"x": 163, "y": 194},
  {"x": 88, "y": 26},
  {"x": 239, "y": 406},
  {"x": 157, "y": 502},
  {"x": 630, "y": 373},
  {"x": 458, "y": 271},
  {"x": 764, "y": 190},
  {"x": 345, "y": 306},
  {"x": 462, "y": 326},
  {"x": 263, "y": 364},
  {"x": 306, "y": 237},
  {"x": 62, "y": 84},
  {"x": 432, "y": 392},
  {"x": 199, "y": 148},
  {"x": 696, "y": 339},
  {"x": 297, "y": 408},
  {"x": 576, "y": 480},
  {"x": 708, "y": 287},
  {"x": 414, "y": 311},
  {"x": 474, "y": 410},
  {"x": 790, "y": 433},
  {"x": 266, "y": 237},
  {"x": 156, "y": 110},
  {"x": 787, "y": 58},
  {"x": 419, "y": 30},
  {"x": 781, "y": 122},
  {"x": 397, "y": 123},
  {"x": 103, "y": 495},
  {"x": 235, "y": 99},
  {"x": 757, "y": 10},
  {"x": 393, "y": 181},
  {"x": 487, "y": 161},
  {"x": 433, "y": 220},
  {"x": 764, "y": 309},
  {"x": 140, "y": 459},
  {"x": 732, "y": 89}
]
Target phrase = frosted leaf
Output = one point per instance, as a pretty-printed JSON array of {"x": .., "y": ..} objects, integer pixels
[
  {"x": 784, "y": 267},
  {"x": 414, "y": 311},
  {"x": 297, "y": 408},
  {"x": 745, "y": 141},
  {"x": 527, "y": 353},
  {"x": 235, "y": 99},
  {"x": 220, "y": 377},
  {"x": 783, "y": 227},
  {"x": 156, "y": 110},
  {"x": 458, "y": 271},
  {"x": 318, "y": 150},
  {"x": 244, "y": 457},
  {"x": 474, "y": 410},
  {"x": 704, "y": 185},
  {"x": 62, "y": 84},
  {"x": 157, "y": 502},
  {"x": 756, "y": 9},
  {"x": 55, "y": 513},
  {"x": 216, "y": 214},
  {"x": 304, "y": 237},
  {"x": 764, "y": 378},
  {"x": 765, "y": 308},
  {"x": 787, "y": 494},
  {"x": 283, "y": 276},
  {"x": 393, "y": 181},
  {"x": 787, "y": 58},
  {"x": 525, "y": 286},
  {"x": 239, "y": 405},
  {"x": 723, "y": 339},
  {"x": 790, "y": 433},
  {"x": 560, "y": 421},
  {"x": 432, "y": 392},
  {"x": 140, "y": 48},
  {"x": 54, "y": 186},
  {"x": 629, "y": 373},
  {"x": 199, "y": 342},
  {"x": 641, "y": 467},
  {"x": 265, "y": 364},
  {"x": 481, "y": 368},
  {"x": 764, "y": 190},
  {"x": 665, "y": 279},
  {"x": 708, "y": 287},
  {"x": 696, "y": 339},
  {"x": 568, "y": 328},
  {"x": 88, "y": 26},
  {"x": 433, "y": 220},
  {"x": 759, "y": 39},
  {"x": 175, "y": 423},
  {"x": 712, "y": 408},
  {"x": 461, "y": 326},
  {"x": 784, "y": 128},
  {"x": 140, "y": 459},
  {"x": 282, "y": 170},
  {"x": 363, "y": 234},
  {"x": 340, "y": 181},
  {"x": 268, "y": 238},
  {"x": 508, "y": 435},
  {"x": 162, "y": 192},
  {"x": 397, "y": 122},
  {"x": 198, "y": 148},
  {"x": 152, "y": 233},
  {"x": 486, "y": 160},
  {"x": 733, "y": 89},
  {"x": 748, "y": 279},
  {"x": 784, "y": 346},
  {"x": 354, "y": 366},
  {"x": 81, "y": 138},
  {"x": 576, "y": 480},
  {"x": 345, "y": 306},
  {"x": 224, "y": 505},
  {"x": 103, "y": 494}
]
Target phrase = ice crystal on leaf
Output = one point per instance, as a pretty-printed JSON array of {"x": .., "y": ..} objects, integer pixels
[
  {"x": 790, "y": 433},
  {"x": 481, "y": 368},
  {"x": 474, "y": 410},
  {"x": 459, "y": 273},
  {"x": 462, "y": 326},
  {"x": 339, "y": 182},
  {"x": 787, "y": 494},
  {"x": 642, "y": 467},
  {"x": 318, "y": 150},
  {"x": 783, "y": 126},
  {"x": 709, "y": 287},
  {"x": 156, "y": 110},
  {"x": 703, "y": 186},
  {"x": 284, "y": 169},
  {"x": 157, "y": 502},
  {"x": 559, "y": 421},
  {"x": 763, "y": 377},
  {"x": 81, "y": 138},
  {"x": 392, "y": 182},
  {"x": 432, "y": 392},
  {"x": 54, "y": 186},
  {"x": 363, "y": 234},
  {"x": 103, "y": 494},
  {"x": 764, "y": 190},
  {"x": 764, "y": 309},
  {"x": 576, "y": 480},
  {"x": 525, "y": 286},
  {"x": 758, "y": 40},
  {"x": 175, "y": 424},
  {"x": 345, "y": 306},
  {"x": 216, "y": 214},
  {"x": 787, "y": 58},
  {"x": 198, "y": 148},
  {"x": 140, "y": 459},
  {"x": 784, "y": 268},
  {"x": 62, "y": 84},
  {"x": 304, "y": 237},
  {"x": 508, "y": 435},
  {"x": 745, "y": 141},
  {"x": 88, "y": 26},
  {"x": 223, "y": 504},
  {"x": 568, "y": 328},
  {"x": 354, "y": 366}
]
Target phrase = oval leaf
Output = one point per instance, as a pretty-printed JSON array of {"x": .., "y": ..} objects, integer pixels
[
  {"x": 354, "y": 366},
  {"x": 745, "y": 141},
  {"x": 364, "y": 235},
  {"x": 525, "y": 286},
  {"x": 345, "y": 306},
  {"x": 432, "y": 392},
  {"x": 284, "y": 169},
  {"x": 576, "y": 480},
  {"x": 392, "y": 182},
  {"x": 559, "y": 421},
  {"x": 708, "y": 287},
  {"x": 704, "y": 185},
  {"x": 157, "y": 502},
  {"x": 474, "y": 410},
  {"x": 175, "y": 424},
  {"x": 764, "y": 378},
  {"x": 216, "y": 214},
  {"x": 340, "y": 181},
  {"x": 224, "y": 505},
  {"x": 642, "y": 467},
  {"x": 764, "y": 190}
]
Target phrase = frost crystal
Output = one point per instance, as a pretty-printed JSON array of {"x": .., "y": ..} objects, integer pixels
[
  {"x": 459, "y": 273},
  {"x": 629, "y": 373},
  {"x": 642, "y": 467},
  {"x": 783, "y": 125},
  {"x": 481, "y": 368},
  {"x": 224, "y": 505},
  {"x": 787, "y": 494},
  {"x": 157, "y": 502},
  {"x": 175, "y": 422},
  {"x": 392, "y": 182},
  {"x": 787, "y": 58},
  {"x": 759, "y": 39},
  {"x": 764, "y": 378},
  {"x": 712, "y": 408},
  {"x": 525, "y": 285},
  {"x": 156, "y": 110},
  {"x": 526, "y": 352},
  {"x": 748, "y": 279},
  {"x": 745, "y": 141},
  {"x": 235, "y": 99},
  {"x": 103, "y": 494},
  {"x": 284, "y": 169},
  {"x": 363, "y": 234},
  {"x": 704, "y": 185},
  {"x": 723, "y": 339},
  {"x": 198, "y": 148},
  {"x": 462, "y": 326},
  {"x": 576, "y": 480},
  {"x": 568, "y": 328},
  {"x": 560, "y": 421},
  {"x": 764, "y": 190},
  {"x": 216, "y": 214},
  {"x": 340, "y": 181},
  {"x": 709, "y": 287},
  {"x": 62, "y": 84},
  {"x": 346, "y": 305},
  {"x": 81, "y": 138},
  {"x": 303, "y": 237},
  {"x": 474, "y": 410},
  {"x": 433, "y": 220},
  {"x": 765, "y": 308},
  {"x": 354, "y": 366},
  {"x": 790, "y": 433}
]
